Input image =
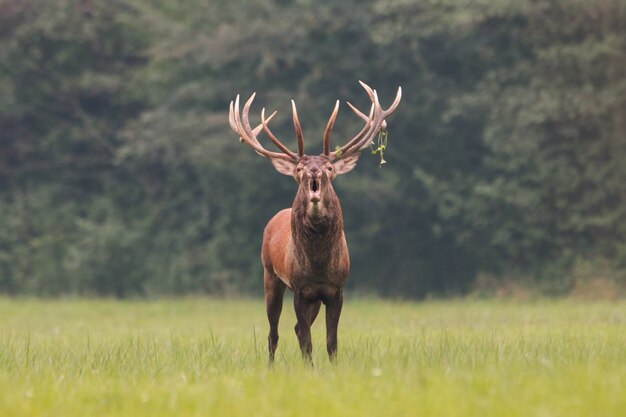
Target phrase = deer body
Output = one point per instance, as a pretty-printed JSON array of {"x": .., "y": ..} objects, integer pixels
[
  {"x": 314, "y": 266},
  {"x": 304, "y": 247}
]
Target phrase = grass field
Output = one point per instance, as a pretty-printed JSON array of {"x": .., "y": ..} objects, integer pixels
[{"x": 204, "y": 357}]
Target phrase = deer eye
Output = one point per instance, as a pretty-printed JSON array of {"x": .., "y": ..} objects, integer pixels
[
  {"x": 299, "y": 169},
  {"x": 330, "y": 168}
]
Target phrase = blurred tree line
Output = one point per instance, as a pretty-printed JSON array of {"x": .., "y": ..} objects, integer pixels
[{"x": 119, "y": 175}]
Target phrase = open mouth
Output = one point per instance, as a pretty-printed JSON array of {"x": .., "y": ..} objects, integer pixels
[
  {"x": 314, "y": 185},
  {"x": 314, "y": 190}
]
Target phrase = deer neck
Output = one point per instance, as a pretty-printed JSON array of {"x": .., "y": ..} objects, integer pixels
[{"x": 316, "y": 229}]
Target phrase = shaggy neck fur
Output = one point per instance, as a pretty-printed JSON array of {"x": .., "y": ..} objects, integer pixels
[{"x": 316, "y": 230}]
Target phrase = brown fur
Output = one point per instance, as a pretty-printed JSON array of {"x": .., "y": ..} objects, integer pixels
[{"x": 304, "y": 249}]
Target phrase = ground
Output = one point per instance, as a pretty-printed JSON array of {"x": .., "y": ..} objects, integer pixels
[{"x": 206, "y": 357}]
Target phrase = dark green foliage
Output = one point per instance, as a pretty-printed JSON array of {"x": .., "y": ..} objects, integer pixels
[{"x": 119, "y": 175}]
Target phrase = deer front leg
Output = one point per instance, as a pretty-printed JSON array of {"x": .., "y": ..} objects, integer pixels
[
  {"x": 333, "y": 311},
  {"x": 274, "y": 291},
  {"x": 303, "y": 327}
]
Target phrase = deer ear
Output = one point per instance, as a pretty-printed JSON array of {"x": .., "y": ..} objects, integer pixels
[
  {"x": 283, "y": 166},
  {"x": 346, "y": 164}
]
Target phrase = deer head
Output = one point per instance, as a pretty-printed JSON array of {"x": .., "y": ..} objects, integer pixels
[{"x": 314, "y": 174}]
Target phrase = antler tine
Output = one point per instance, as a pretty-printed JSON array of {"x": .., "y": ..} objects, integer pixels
[
  {"x": 231, "y": 117},
  {"x": 296, "y": 125},
  {"x": 236, "y": 122},
  {"x": 395, "y": 103},
  {"x": 361, "y": 115},
  {"x": 329, "y": 128},
  {"x": 240, "y": 123},
  {"x": 370, "y": 92},
  {"x": 246, "y": 119},
  {"x": 271, "y": 135},
  {"x": 264, "y": 121},
  {"x": 241, "y": 120},
  {"x": 373, "y": 123}
]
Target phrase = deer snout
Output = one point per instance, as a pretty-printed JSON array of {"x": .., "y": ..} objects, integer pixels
[
  {"x": 314, "y": 183},
  {"x": 314, "y": 173}
]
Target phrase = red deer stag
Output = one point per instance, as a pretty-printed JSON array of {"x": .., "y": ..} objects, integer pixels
[{"x": 304, "y": 247}]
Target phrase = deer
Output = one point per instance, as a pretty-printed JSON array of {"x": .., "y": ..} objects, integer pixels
[{"x": 304, "y": 247}]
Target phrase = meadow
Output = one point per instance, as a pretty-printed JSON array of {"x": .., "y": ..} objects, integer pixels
[{"x": 207, "y": 357}]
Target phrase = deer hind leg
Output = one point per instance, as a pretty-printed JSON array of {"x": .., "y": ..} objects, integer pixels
[
  {"x": 313, "y": 311},
  {"x": 274, "y": 291}
]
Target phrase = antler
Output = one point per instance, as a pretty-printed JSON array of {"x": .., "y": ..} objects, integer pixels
[
  {"x": 329, "y": 128},
  {"x": 241, "y": 125},
  {"x": 296, "y": 124},
  {"x": 373, "y": 124}
]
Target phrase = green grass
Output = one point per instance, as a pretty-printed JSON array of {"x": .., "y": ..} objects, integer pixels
[{"x": 204, "y": 357}]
